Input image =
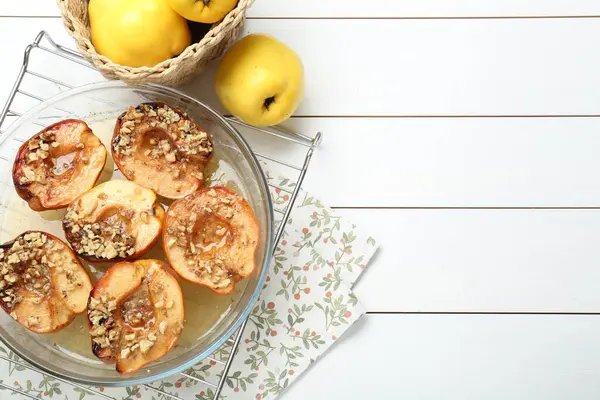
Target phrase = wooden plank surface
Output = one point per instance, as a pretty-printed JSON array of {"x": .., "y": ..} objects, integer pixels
[
  {"x": 452, "y": 162},
  {"x": 423, "y": 162},
  {"x": 468, "y": 162},
  {"x": 371, "y": 9},
  {"x": 466, "y": 357},
  {"x": 531, "y": 261},
  {"x": 478, "y": 67}
]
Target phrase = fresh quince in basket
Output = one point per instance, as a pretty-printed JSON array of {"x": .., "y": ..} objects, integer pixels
[
  {"x": 204, "y": 11},
  {"x": 137, "y": 33}
]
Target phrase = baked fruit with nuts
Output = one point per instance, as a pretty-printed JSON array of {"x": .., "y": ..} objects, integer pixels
[
  {"x": 161, "y": 148},
  {"x": 210, "y": 238},
  {"x": 43, "y": 285},
  {"x": 58, "y": 164},
  {"x": 116, "y": 220},
  {"x": 135, "y": 314}
]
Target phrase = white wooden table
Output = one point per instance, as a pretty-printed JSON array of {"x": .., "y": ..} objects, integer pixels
[{"x": 465, "y": 135}]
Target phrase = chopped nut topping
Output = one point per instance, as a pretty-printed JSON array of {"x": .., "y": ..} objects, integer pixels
[
  {"x": 145, "y": 345},
  {"x": 103, "y": 331},
  {"x": 170, "y": 157},
  {"x": 191, "y": 140},
  {"x": 103, "y": 240},
  {"x": 162, "y": 327},
  {"x": 125, "y": 353},
  {"x": 25, "y": 263},
  {"x": 38, "y": 150}
]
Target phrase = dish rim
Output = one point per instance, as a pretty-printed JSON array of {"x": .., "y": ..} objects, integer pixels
[{"x": 262, "y": 181}]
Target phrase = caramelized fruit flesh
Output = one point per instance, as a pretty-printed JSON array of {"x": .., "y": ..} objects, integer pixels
[
  {"x": 135, "y": 314},
  {"x": 116, "y": 220},
  {"x": 42, "y": 283},
  {"x": 161, "y": 148},
  {"x": 210, "y": 238},
  {"x": 58, "y": 164}
]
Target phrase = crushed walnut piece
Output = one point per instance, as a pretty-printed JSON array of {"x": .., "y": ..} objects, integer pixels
[
  {"x": 162, "y": 327},
  {"x": 30, "y": 176}
]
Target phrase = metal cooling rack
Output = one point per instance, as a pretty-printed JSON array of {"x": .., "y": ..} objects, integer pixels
[{"x": 44, "y": 43}]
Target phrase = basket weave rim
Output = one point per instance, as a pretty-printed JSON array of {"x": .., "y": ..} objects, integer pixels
[{"x": 212, "y": 38}]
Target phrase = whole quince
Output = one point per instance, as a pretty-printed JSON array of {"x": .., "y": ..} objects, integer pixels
[
  {"x": 204, "y": 11},
  {"x": 137, "y": 33},
  {"x": 260, "y": 80}
]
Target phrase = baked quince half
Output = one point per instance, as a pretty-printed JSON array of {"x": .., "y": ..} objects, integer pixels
[
  {"x": 58, "y": 164},
  {"x": 161, "y": 148},
  {"x": 116, "y": 220},
  {"x": 43, "y": 285},
  {"x": 135, "y": 314},
  {"x": 210, "y": 238}
]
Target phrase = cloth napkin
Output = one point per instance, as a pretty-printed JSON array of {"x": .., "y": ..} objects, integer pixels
[{"x": 306, "y": 305}]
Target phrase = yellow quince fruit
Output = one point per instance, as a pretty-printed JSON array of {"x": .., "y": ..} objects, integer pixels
[
  {"x": 204, "y": 11},
  {"x": 260, "y": 80},
  {"x": 137, "y": 33}
]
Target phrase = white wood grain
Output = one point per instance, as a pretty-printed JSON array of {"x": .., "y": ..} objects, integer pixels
[
  {"x": 441, "y": 162},
  {"x": 481, "y": 260},
  {"x": 426, "y": 67},
  {"x": 414, "y": 162},
  {"x": 460, "y": 357},
  {"x": 373, "y": 8},
  {"x": 469, "y": 162},
  {"x": 421, "y": 9},
  {"x": 445, "y": 67}
]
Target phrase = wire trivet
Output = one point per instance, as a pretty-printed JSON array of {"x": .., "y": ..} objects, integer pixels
[{"x": 44, "y": 43}]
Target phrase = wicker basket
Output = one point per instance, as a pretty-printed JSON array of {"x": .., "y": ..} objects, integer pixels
[{"x": 171, "y": 72}]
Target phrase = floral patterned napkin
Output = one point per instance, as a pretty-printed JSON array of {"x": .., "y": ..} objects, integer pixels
[{"x": 306, "y": 304}]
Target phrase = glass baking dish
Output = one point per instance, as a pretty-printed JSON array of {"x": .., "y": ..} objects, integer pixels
[{"x": 210, "y": 319}]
